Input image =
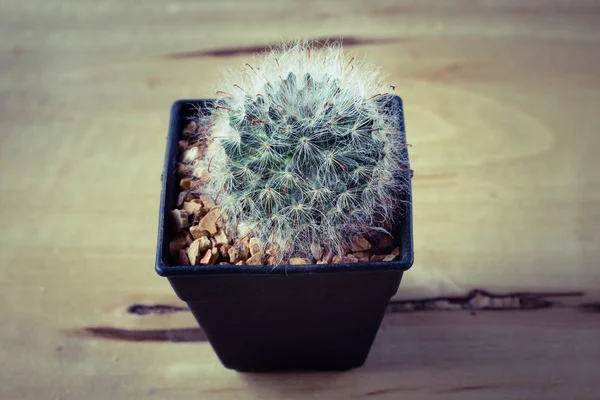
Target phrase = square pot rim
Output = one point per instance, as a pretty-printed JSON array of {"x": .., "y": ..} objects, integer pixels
[{"x": 163, "y": 268}]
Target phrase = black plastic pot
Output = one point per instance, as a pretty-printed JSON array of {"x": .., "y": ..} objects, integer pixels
[{"x": 291, "y": 317}]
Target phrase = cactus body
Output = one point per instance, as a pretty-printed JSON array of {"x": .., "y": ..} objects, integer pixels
[{"x": 302, "y": 151}]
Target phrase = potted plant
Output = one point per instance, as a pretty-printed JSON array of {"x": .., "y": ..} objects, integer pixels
[{"x": 285, "y": 220}]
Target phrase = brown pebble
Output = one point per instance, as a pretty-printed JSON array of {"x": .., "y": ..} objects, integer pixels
[
  {"x": 377, "y": 257},
  {"x": 180, "y": 199},
  {"x": 244, "y": 253},
  {"x": 396, "y": 252},
  {"x": 240, "y": 263},
  {"x": 362, "y": 256},
  {"x": 207, "y": 201},
  {"x": 386, "y": 242},
  {"x": 183, "y": 145},
  {"x": 245, "y": 241},
  {"x": 198, "y": 232},
  {"x": 176, "y": 244},
  {"x": 234, "y": 255},
  {"x": 210, "y": 257},
  {"x": 179, "y": 220},
  {"x": 195, "y": 219},
  {"x": 254, "y": 246},
  {"x": 221, "y": 238},
  {"x": 224, "y": 263},
  {"x": 316, "y": 250},
  {"x": 192, "y": 207},
  {"x": 336, "y": 260},
  {"x": 189, "y": 196},
  {"x": 197, "y": 172},
  {"x": 349, "y": 259},
  {"x": 256, "y": 259},
  {"x": 190, "y": 129},
  {"x": 299, "y": 261},
  {"x": 359, "y": 243},
  {"x": 190, "y": 154},
  {"x": 188, "y": 238},
  {"x": 183, "y": 258},
  {"x": 321, "y": 262},
  {"x": 194, "y": 252},
  {"x": 273, "y": 255},
  {"x": 203, "y": 243},
  {"x": 183, "y": 171},
  {"x": 344, "y": 248},
  {"x": 272, "y": 251},
  {"x": 185, "y": 183},
  {"x": 327, "y": 256},
  {"x": 208, "y": 222},
  {"x": 389, "y": 257},
  {"x": 224, "y": 252}
]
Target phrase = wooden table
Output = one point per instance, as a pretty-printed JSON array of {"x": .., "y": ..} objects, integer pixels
[{"x": 503, "y": 111}]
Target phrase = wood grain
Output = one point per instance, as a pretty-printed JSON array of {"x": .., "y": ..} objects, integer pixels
[{"x": 502, "y": 101}]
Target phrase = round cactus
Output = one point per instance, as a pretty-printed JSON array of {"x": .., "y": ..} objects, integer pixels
[{"x": 303, "y": 151}]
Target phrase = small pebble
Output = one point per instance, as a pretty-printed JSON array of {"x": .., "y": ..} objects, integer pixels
[
  {"x": 234, "y": 255},
  {"x": 362, "y": 256},
  {"x": 188, "y": 238},
  {"x": 194, "y": 252},
  {"x": 359, "y": 243},
  {"x": 221, "y": 238},
  {"x": 179, "y": 220},
  {"x": 183, "y": 145},
  {"x": 327, "y": 256},
  {"x": 299, "y": 261},
  {"x": 207, "y": 201},
  {"x": 183, "y": 258},
  {"x": 181, "y": 198},
  {"x": 244, "y": 253},
  {"x": 190, "y": 129},
  {"x": 389, "y": 257},
  {"x": 316, "y": 250},
  {"x": 224, "y": 252},
  {"x": 192, "y": 207},
  {"x": 204, "y": 243},
  {"x": 186, "y": 183},
  {"x": 385, "y": 242},
  {"x": 254, "y": 246},
  {"x": 256, "y": 259},
  {"x": 208, "y": 222},
  {"x": 183, "y": 171},
  {"x": 210, "y": 257},
  {"x": 177, "y": 244},
  {"x": 190, "y": 154}
]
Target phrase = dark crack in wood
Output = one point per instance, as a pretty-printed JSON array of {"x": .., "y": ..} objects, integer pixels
[
  {"x": 590, "y": 307},
  {"x": 142, "y": 335},
  {"x": 481, "y": 300},
  {"x": 154, "y": 309},
  {"x": 347, "y": 41}
]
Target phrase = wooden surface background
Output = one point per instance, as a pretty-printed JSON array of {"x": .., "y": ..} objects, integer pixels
[{"x": 503, "y": 110}]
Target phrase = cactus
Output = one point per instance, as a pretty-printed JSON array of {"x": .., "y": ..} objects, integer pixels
[{"x": 303, "y": 152}]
